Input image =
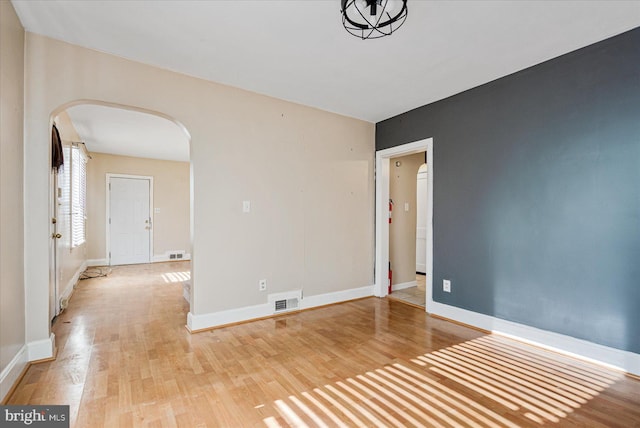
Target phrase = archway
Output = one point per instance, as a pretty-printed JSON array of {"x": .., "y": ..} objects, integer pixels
[{"x": 97, "y": 117}]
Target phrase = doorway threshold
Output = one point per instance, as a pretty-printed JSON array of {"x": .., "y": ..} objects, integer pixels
[{"x": 404, "y": 300}]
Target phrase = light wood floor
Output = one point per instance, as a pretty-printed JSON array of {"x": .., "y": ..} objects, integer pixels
[
  {"x": 416, "y": 296},
  {"x": 126, "y": 359}
]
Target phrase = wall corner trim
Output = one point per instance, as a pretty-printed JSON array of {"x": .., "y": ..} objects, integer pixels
[
  {"x": 615, "y": 358},
  {"x": 211, "y": 320},
  {"x": 32, "y": 351},
  {"x": 11, "y": 374},
  {"x": 42, "y": 349}
]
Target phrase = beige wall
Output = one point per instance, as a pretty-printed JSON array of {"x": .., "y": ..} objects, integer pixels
[
  {"x": 70, "y": 260},
  {"x": 170, "y": 196},
  {"x": 402, "y": 230},
  {"x": 308, "y": 174},
  {"x": 12, "y": 297}
]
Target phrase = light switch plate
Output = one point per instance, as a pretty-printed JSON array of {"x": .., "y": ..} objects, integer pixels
[
  {"x": 406, "y": 206},
  {"x": 246, "y": 206}
]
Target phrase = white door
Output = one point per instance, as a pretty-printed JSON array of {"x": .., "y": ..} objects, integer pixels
[
  {"x": 129, "y": 220},
  {"x": 54, "y": 247},
  {"x": 421, "y": 221}
]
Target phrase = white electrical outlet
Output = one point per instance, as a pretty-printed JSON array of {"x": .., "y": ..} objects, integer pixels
[
  {"x": 446, "y": 285},
  {"x": 262, "y": 285}
]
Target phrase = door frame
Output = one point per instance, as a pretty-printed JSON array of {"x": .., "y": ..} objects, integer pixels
[
  {"x": 383, "y": 157},
  {"x": 109, "y": 176},
  {"x": 424, "y": 175}
]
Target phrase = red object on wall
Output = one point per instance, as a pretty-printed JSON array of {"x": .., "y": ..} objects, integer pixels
[{"x": 390, "y": 275}]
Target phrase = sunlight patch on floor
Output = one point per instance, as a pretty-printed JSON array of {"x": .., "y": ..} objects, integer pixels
[
  {"x": 508, "y": 378},
  {"x": 176, "y": 276}
]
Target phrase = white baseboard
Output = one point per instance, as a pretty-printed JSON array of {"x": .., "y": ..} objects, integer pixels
[
  {"x": 10, "y": 374},
  {"x": 308, "y": 302},
  {"x": 616, "y": 358},
  {"x": 156, "y": 258},
  {"x": 32, "y": 351},
  {"x": 215, "y": 319},
  {"x": 248, "y": 313},
  {"x": 404, "y": 285},
  {"x": 159, "y": 258},
  {"x": 71, "y": 285},
  {"x": 41, "y": 349}
]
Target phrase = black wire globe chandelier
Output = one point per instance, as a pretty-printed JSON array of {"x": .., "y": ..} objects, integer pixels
[{"x": 372, "y": 19}]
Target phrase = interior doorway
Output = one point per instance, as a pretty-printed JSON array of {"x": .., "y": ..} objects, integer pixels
[
  {"x": 383, "y": 174},
  {"x": 407, "y": 229},
  {"x": 122, "y": 140}
]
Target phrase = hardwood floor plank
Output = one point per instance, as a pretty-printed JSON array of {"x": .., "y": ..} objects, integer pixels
[{"x": 125, "y": 359}]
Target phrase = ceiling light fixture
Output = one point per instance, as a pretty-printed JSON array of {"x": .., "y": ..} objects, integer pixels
[{"x": 372, "y": 19}]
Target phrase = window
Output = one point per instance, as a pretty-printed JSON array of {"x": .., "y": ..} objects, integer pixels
[{"x": 78, "y": 194}]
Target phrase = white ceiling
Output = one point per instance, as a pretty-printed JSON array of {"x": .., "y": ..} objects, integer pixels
[
  {"x": 129, "y": 133},
  {"x": 298, "y": 50}
]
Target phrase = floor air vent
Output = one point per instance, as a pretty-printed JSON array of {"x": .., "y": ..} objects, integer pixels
[{"x": 283, "y": 302}]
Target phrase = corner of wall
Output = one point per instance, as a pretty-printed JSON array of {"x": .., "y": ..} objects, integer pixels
[
  {"x": 42, "y": 349},
  {"x": 197, "y": 323},
  {"x": 10, "y": 375},
  {"x": 13, "y": 358}
]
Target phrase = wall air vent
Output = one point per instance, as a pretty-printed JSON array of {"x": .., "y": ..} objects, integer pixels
[
  {"x": 175, "y": 254},
  {"x": 284, "y": 302}
]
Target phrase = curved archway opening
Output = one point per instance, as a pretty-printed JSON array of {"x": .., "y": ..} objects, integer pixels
[{"x": 123, "y": 145}]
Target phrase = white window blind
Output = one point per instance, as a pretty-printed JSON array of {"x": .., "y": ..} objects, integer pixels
[
  {"x": 64, "y": 202},
  {"x": 78, "y": 195}
]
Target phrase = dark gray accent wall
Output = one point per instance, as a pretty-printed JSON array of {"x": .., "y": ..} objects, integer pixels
[{"x": 537, "y": 193}]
